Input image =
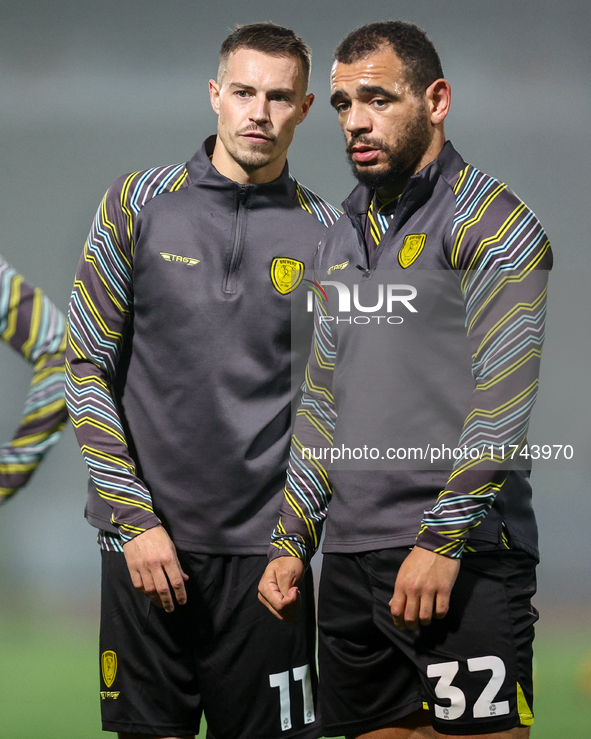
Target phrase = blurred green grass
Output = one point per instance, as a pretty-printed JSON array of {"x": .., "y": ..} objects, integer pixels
[{"x": 49, "y": 684}]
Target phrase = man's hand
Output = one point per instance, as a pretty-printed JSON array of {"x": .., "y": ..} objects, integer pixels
[
  {"x": 155, "y": 568},
  {"x": 423, "y": 587},
  {"x": 278, "y": 587}
]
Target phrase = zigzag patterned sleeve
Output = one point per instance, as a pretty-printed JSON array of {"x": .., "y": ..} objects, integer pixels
[
  {"x": 99, "y": 315},
  {"x": 35, "y": 328},
  {"x": 307, "y": 490},
  {"x": 503, "y": 256}
]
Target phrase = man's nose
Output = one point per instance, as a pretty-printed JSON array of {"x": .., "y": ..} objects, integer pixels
[
  {"x": 358, "y": 120},
  {"x": 259, "y": 110}
]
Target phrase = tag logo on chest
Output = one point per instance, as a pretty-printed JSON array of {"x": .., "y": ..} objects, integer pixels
[
  {"x": 334, "y": 267},
  {"x": 411, "y": 247},
  {"x": 286, "y": 274},
  {"x": 178, "y": 258}
]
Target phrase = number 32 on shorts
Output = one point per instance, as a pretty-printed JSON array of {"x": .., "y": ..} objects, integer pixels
[{"x": 485, "y": 705}]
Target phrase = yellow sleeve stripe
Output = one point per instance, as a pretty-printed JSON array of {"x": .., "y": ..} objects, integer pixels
[
  {"x": 17, "y": 468},
  {"x": 91, "y": 379},
  {"x": 126, "y": 501},
  {"x": 98, "y": 425},
  {"x": 72, "y": 344},
  {"x": 487, "y": 243},
  {"x": 313, "y": 462},
  {"x": 113, "y": 229},
  {"x": 97, "y": 316},
  {"x": 446, "y": 547},
  {"x": 303, "y": 203},
  {"x": 35, "y": 322},
  {"x": 508, "y": 317},
  {"x": 316, "y": 388},
  {"x": 482, "y": 413},
  {"x": 41, "y": 375},
  {"x": 314, "y": 422},
  {"x": 472, "y": 222},
  {"x": 288, "y": 546},
  {"x": 322, "y": 363},
  {"x": 15, "y": 296},
  {"x": 178, "y": 183},
  {"x": 128, "y": 527},
  {"x": 127, "y": 212},
  {"x": 115, "y": 461},
  {"x": 88, "y": 257},
  {"x": 46, "y": 410},
  {"x": 532, "y": 354},
  {"x": 461, "y": 178},
  {"x": 510, "y": 277},
  {"x": 300, "y": 514}
]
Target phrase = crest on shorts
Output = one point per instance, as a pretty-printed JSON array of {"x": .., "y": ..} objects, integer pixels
[
  {"x": 411, "y": 247},
  {"x": 109, "y": 667},
  {"x": 286, "y": 274}
]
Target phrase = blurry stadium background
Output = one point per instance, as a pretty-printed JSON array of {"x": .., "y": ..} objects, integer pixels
[{"x": 92, "y": 90}]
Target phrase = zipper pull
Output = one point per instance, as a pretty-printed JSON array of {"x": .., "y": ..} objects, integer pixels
[{"x": 366, "y": 272}]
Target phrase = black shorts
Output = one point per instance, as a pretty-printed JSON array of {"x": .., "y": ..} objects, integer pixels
[
  {"x": 222, "y": 654},
  {"x": 472, "y": 670}
]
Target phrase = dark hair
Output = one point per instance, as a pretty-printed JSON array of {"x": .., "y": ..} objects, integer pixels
[
  {"x": 267, "y": 38},
  {"x": 415, "y": 50}
]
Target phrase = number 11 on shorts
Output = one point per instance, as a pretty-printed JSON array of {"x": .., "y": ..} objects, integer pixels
[{"x": 281, "y": 680}]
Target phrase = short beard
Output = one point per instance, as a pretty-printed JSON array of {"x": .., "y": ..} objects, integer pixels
[
  {"x": 252, "y": 159},
  {"x": 403, "y": 157}
]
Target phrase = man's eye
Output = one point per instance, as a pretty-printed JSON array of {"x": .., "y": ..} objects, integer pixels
[
  {"x": 342, "y": 107},
  {"x": 379, "y": 103},
  {"x": 242, "y": 93}
]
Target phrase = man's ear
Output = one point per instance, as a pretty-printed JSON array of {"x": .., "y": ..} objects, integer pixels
[
  {"x": 306, "y": 105},
  {"x": 438, "y": 97},
  {"x": 214, "y": 96}
]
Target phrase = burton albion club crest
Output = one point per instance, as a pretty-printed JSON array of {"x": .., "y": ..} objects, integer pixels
[
  {"x": 286, "y": 274},
  {"x": 109, "y": 667},
  {"x": 411, "y": 247}
]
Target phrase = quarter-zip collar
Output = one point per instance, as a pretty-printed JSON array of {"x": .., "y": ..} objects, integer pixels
[
  {"x": 202, "y": 173},
  {"x": 417, "y": 191}
]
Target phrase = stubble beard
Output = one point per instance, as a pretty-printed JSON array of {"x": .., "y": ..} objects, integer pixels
[
  {"x": 255, "y": 156},
  {"x": 402, "y": 158},
  {"x": 252, "y": 160}
]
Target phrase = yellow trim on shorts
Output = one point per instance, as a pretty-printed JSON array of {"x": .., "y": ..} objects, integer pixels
[{"x": 526, "y": 716}]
